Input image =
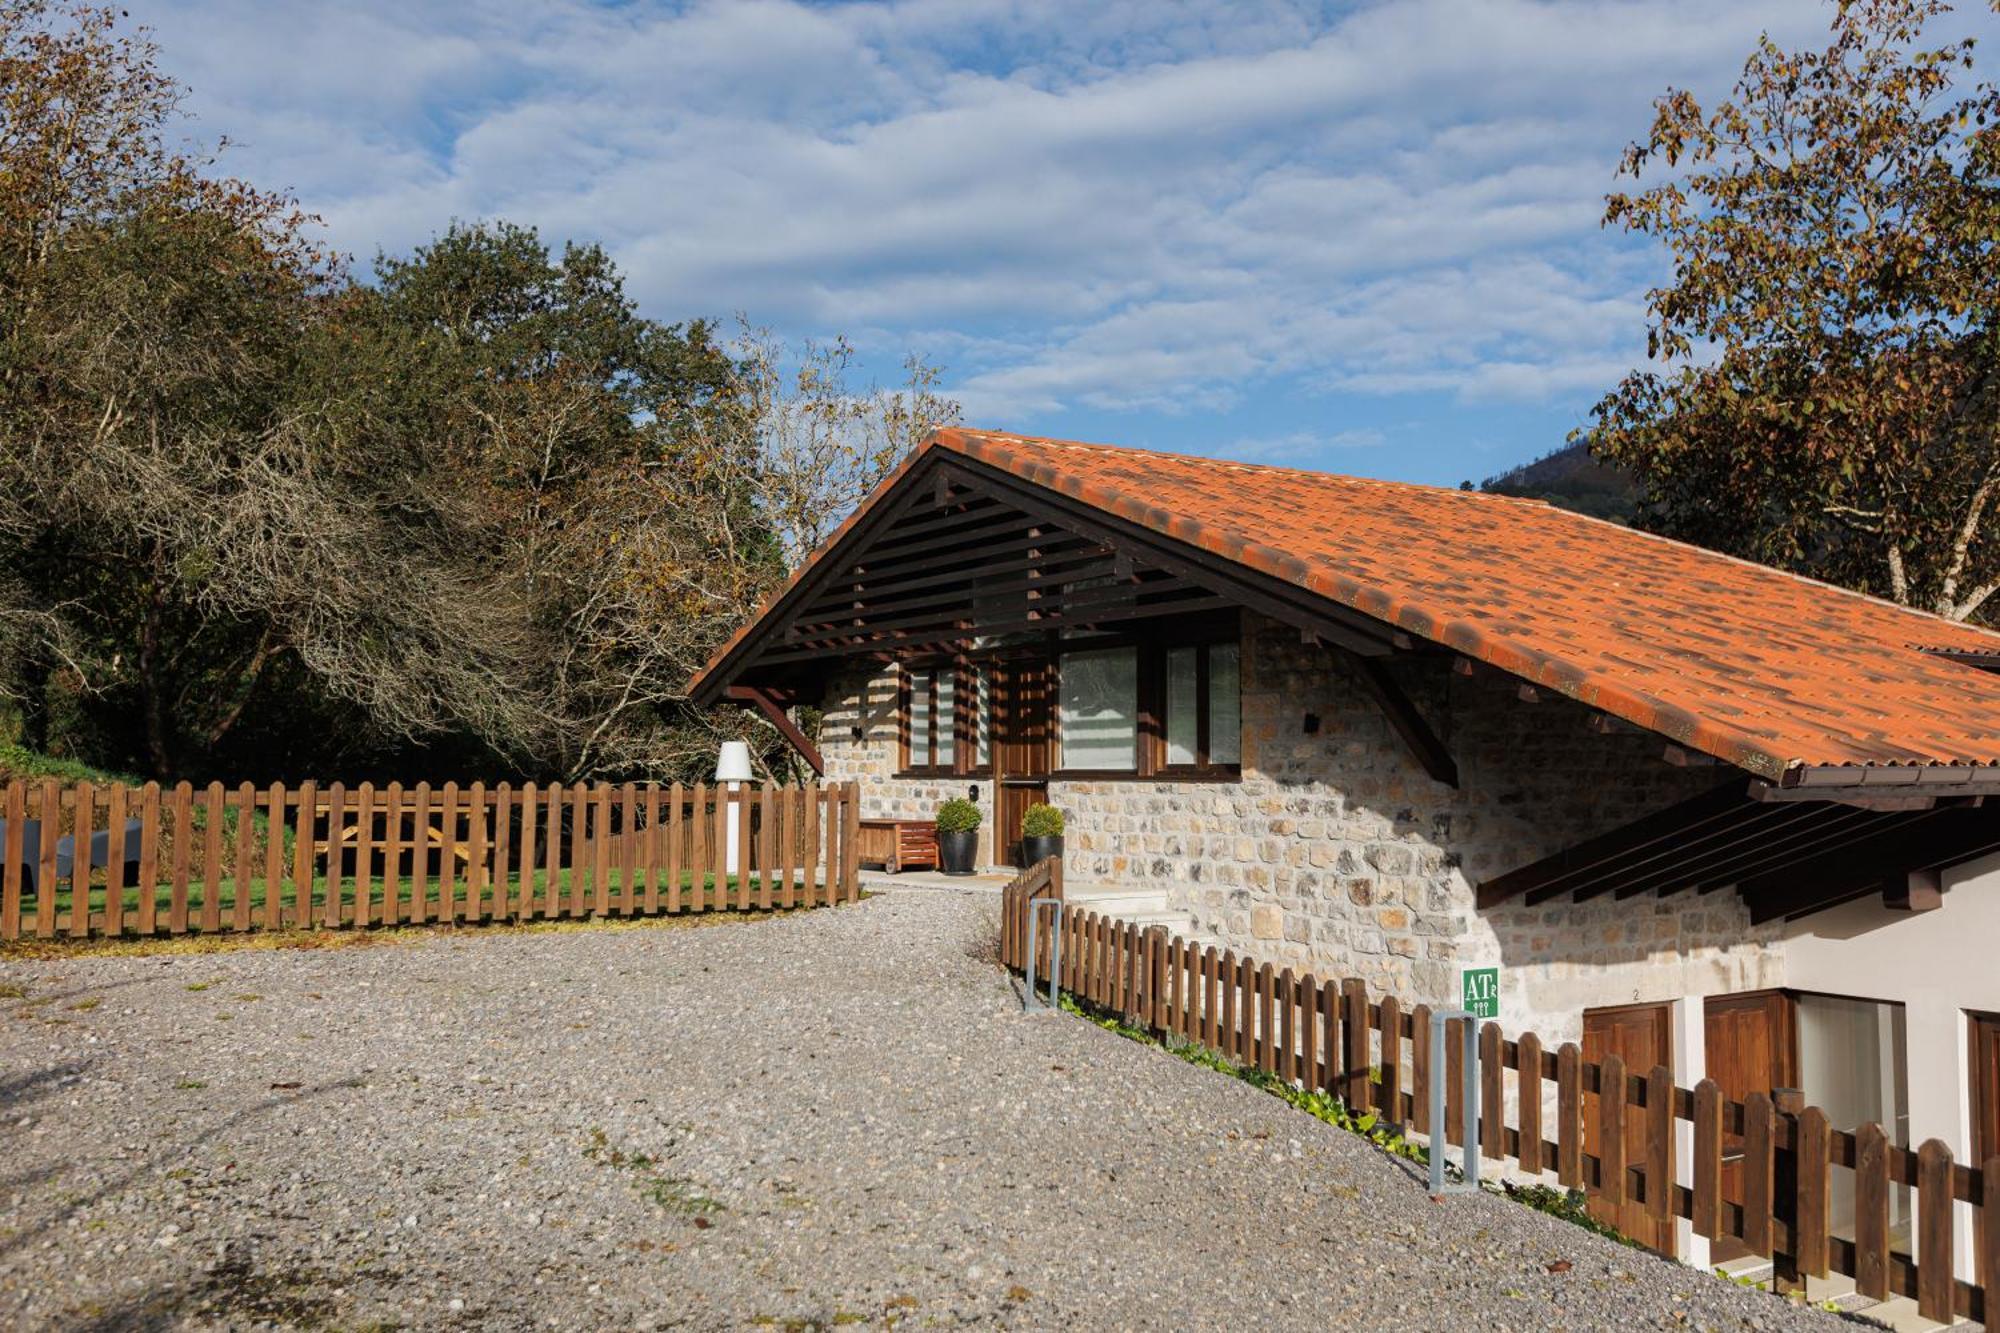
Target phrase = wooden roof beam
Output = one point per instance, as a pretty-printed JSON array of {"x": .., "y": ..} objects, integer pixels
[
  {"x": 1406, "y": 719},
  {"x": 764, "y": 703}
]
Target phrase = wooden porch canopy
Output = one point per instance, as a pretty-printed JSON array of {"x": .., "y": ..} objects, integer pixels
[
  {"x": 958, "y": 553},
  {"x": 962, "y": 552},
  {"x": 1786, "y": 859}
]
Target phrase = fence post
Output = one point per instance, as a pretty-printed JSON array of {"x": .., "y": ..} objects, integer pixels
[
  {"x": 850, "y": 843},
  {"x": 114, "y": 864},
  {"x": 1786, "y": 1104},
  {"x": 1871, "y": 1212},
  {"x": 1611, "y": 1131},
  {"x": 1528, "y": 1056},
  {"x": 149, "y": 858},
  {"x": 183, "y": 859},
  {"x": 304, "y": 806},
  {"x": 1354, "y": 1065},
  {"x": 85, "y": 806},
  {"x": 1936, "y": 1288},
  {"x": 1660, "y": 1147},
  {"x": 1708, "y": 1159},
  {"x": 1389, "y": 1096},
  {"x": 1759, "y": 1168}
]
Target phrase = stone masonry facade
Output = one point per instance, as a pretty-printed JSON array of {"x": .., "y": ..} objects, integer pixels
[{"x": 1336, "y": 852}]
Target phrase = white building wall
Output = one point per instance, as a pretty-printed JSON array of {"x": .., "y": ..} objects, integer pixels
[{"x": 1939, "y": 965}]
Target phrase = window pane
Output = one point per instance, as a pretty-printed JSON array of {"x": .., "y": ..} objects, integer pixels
[
  {"x": 1225, "y": 706},
  {"x": 1099, "y": 709},
  {"x": 1182, "y": 740},
  {"x": 980, "y": 720},
  {"x": 920, "y": 719},
  {"x": 947, "y": 737}
]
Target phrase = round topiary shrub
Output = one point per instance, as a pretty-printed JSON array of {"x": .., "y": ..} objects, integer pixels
[
  {"x": 1042, "y": 821},
  {"x": 957, "y": 815}
]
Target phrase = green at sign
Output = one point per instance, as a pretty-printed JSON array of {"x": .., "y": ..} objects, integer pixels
[{"x": 1480, "y": 988}]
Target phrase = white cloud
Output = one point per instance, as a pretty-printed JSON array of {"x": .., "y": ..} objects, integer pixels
[{"x": 1129, "y": 206}]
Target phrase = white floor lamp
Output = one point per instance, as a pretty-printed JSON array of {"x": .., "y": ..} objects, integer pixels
[{"x": 732, "y": 768}]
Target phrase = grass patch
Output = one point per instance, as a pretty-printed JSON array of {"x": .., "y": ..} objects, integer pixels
[
  {"x": 673, "y": 1194},
  {"x": 17, "y": 761},
  {"x": 348, "y": 937},
  {"x": 698, "y": 893},
  {"x": 1319, "y": 1105}
]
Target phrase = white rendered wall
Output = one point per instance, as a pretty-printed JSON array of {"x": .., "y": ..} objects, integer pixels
[{"x": 1937, "y": 965}]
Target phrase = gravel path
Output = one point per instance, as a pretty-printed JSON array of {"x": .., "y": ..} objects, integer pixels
[{"x": 831, "y": 1118}]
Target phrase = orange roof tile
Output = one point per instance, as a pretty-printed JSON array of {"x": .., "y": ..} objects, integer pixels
[{"x": 1763, "y": 669}]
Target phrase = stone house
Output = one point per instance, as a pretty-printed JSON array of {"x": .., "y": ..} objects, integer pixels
[{"x": 1697, "y": 811}]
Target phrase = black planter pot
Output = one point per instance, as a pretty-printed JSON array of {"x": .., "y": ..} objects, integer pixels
[
  {"x": 1036, "y": 850},
  {"x": 957, "y": 850}
]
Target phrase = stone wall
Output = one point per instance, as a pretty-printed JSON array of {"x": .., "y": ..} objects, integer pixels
[{"x": 1337, "y": 852}]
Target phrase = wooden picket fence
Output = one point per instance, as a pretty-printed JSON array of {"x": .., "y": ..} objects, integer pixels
[
  {"x": 1375, "y": 1054},
  {"x": 216, "y": 859}
]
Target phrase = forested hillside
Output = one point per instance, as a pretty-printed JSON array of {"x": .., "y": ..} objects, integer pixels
[{"x": 1571, "y": 478}]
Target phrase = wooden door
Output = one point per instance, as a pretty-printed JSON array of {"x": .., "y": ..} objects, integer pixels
[
  {"x": 1023, "y": 722},
  {"x": 1643, "y": 1035},
  {"x": 1985, "y": 1088},
  {"x": 1751, "y": 1043}
]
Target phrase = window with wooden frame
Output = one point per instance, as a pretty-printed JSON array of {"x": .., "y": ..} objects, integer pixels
[
  {"x": 1151, "y": 708},
  {"x": 1201, "y": 711},
  {"x": 942, "y": 715}
]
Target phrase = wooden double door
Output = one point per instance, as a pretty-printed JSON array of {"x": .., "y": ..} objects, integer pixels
[{"x": 1022, "y": 718}]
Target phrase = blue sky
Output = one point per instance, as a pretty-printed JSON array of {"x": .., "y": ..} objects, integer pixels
[{"x": 1359, "y": 237}]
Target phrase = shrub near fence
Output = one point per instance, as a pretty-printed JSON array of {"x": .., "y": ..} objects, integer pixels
[
  {"x": 1330, "y": 1036},
  {"x": 218, "y": 859}
]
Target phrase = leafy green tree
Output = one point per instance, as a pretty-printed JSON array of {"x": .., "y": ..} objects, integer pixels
[
  {"x": 256, "y": 518},
  {"x": 1828, "y": 394}
]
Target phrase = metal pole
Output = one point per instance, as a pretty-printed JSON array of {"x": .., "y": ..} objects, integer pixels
[
  {"x": 1028, "y": 1002},
  {"x": 1440, "y": 1133},
  {"x": 1468, "y": 1102}
]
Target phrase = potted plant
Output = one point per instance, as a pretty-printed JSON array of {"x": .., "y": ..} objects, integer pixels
[
  {"x": 1041, "y": 834},
  {"x": 958, "y": 836}
]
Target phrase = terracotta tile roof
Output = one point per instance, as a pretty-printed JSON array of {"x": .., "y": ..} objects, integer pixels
[{"x": 1759, "y": 668}]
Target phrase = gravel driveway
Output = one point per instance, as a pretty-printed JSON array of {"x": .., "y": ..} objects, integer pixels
[{"x": 832, "y": 1118}]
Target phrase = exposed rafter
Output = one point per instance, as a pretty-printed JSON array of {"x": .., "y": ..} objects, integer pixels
[
  {"x": 763, "y": 702},
  {"x": 1407, "y": 721},
  {"x": 1785, "y": 859},
  {"x": 960, "y": 553}
]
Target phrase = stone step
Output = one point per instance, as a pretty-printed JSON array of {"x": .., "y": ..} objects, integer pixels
[{"x": 1114, "y": 899}]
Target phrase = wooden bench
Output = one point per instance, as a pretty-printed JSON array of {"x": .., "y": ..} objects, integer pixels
[{"x": 895, "y": 845}]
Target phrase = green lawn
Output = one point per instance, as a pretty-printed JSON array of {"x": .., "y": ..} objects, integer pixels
[{"x": 702, "y": 893}]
